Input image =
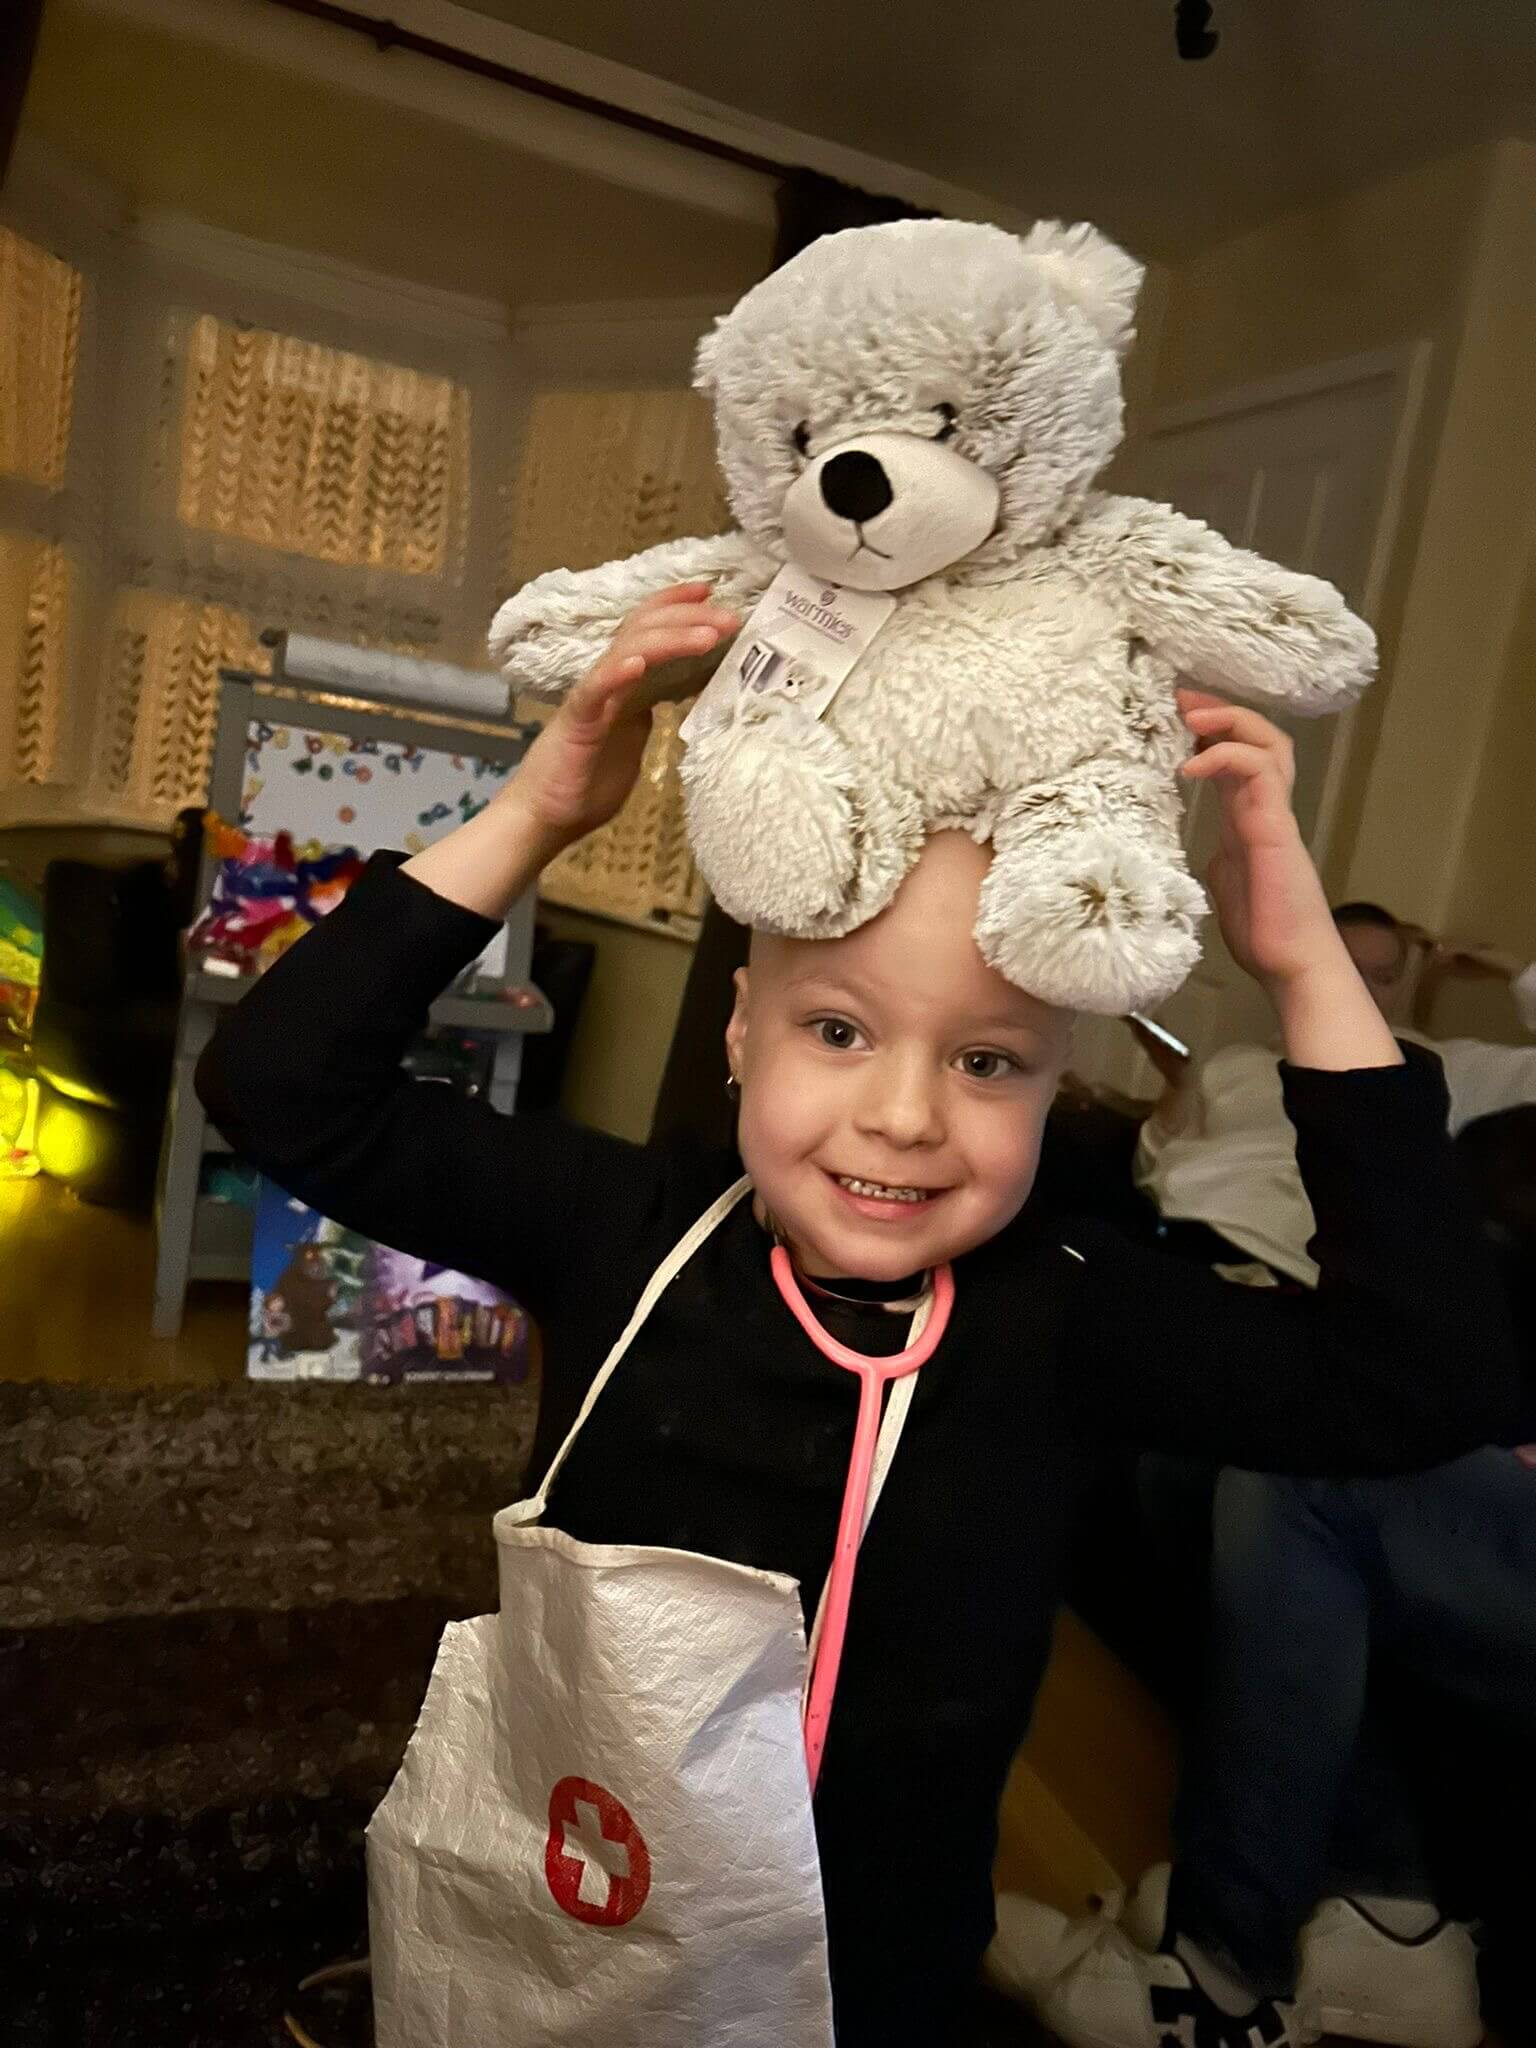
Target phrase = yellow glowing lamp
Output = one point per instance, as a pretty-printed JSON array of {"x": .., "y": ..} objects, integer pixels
[
  {"x": 18, "y": 1126},
  {"x": 68, "y": 1139}
]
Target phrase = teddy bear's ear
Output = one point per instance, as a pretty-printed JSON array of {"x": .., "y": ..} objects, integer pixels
[
  {"x": 1086, "y": 267},
  {"x": 704, "y": 378}
]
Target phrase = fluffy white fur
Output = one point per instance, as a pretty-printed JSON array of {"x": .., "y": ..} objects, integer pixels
[{"x": 1023, "y": 689}]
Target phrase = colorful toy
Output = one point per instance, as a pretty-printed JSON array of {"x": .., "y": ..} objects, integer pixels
[
  {"x": 21, "y": 959},
  {"x": 266, "y": 893}
]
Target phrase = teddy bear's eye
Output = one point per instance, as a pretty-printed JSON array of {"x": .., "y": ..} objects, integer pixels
[
  {"x": 947, "y": 422},
  {"x": 802, "y": 438}
]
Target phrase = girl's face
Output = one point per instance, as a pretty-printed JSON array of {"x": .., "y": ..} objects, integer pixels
[{"x": 893, "y": 1086}]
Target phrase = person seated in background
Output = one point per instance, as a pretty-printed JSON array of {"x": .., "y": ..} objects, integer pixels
[
  {"x": 1302, "y": 1872},
  {"x": 1287, "y": 1792},
  {"x": 1218, "y": 1154}
]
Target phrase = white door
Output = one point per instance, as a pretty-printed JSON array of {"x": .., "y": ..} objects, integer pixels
[{"x": 1305, "y": 471}]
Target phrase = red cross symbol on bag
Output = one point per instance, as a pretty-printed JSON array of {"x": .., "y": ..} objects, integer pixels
[{"x": 595, "y": 1861}]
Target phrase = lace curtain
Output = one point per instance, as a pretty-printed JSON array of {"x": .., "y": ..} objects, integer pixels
[
  {"x": 606, "y": 474},
  {"x": 186, "y": 460},
  {"x": 40, "y": 316},
  {"x": 284, "y": 482}
]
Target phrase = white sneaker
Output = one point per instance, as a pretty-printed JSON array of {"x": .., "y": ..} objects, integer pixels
[
  {"x": 1357, "y": 1978},
  {"x": 1364, "y": 1981},
  {"x": 1094, "y": 1988}
]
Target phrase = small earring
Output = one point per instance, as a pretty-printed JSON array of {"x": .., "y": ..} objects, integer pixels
[{"x": 732, "y": 1085}]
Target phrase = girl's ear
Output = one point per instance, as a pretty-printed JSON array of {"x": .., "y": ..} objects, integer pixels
[{"x": 736, "y": 1029}]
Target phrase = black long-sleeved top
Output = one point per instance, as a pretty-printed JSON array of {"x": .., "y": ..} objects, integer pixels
[{"x": 726, "y": 1431}]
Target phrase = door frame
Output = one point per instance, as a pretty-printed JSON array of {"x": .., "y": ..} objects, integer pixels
[{"x": 1407, "y": 366}]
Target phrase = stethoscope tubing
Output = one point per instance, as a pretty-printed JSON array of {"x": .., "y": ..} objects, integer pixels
[{"x": 874, "y": 1375}]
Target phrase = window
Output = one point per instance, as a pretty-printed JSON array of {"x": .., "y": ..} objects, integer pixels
[
  {"x": 39, "y": 348},
  {"x": 605, "y": 474},
  {"x": 191, "y": 453},
  {"x": 320, "y": 452},
  {"x": 286, "y": 482}
]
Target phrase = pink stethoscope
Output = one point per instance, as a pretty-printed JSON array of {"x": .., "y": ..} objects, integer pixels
[{"x": 873, "y": 1374}]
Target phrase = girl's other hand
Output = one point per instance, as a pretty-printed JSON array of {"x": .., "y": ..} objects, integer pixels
[
  {"x": 584, "y": 763},
  {"x": 1267, "y": 895}
]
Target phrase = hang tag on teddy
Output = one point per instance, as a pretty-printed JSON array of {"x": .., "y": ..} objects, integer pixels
[{"x": 801, "y": 644}]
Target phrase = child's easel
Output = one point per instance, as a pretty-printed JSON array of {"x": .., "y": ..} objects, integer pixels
[{"x": 203, "y": 1239}]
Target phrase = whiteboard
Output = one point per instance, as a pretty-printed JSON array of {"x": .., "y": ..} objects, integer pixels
[{"x": 366, "y": 793}]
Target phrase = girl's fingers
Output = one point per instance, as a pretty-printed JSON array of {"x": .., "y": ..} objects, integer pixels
[
  {"x": 604, "y": 685},
  {"x": 685, "y": 597},
  {"x": 682, "y": 619},
  {"x": 1191, "y": 699},
  {"x": 639, "y": 647},
  {"x": 679, "y": 593},
  {"x": 676, "y": 619},
  {"x": 1235, "y": 758},
  {"x": 656, "y": 644},
  {"x": 1216, "y": 720}
]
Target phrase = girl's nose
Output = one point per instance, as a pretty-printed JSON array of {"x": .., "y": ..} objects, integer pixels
[{"x": 901, "y": 1103}]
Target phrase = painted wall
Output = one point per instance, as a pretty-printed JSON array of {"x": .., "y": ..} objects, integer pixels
[
  {"x": 1435, "y": 817},
  {"x": 626, "y": 1022},
  {"x": 1437, "y": 792},
  {"x": 1496, "y": 886},
  {"x": 1380, "y": 266}
]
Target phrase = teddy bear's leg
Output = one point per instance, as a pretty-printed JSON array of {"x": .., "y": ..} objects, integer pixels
[
  {"x": 788, "y": 832},
  {"x": 1088, "y": 902}
]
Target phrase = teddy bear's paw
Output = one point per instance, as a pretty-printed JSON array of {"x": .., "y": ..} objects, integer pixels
[
  {"x": 542, "y": 640},
  {"x": 1089, "y": 922},
  {"x": 772, "y": 819}
]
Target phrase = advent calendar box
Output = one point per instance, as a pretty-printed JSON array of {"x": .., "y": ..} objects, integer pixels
[{"x": 330, "y": 1304}]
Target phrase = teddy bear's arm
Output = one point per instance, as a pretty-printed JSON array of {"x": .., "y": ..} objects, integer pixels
[
  {"x": 548, "y": 635},
  {"x": 1230, "y": 620}
]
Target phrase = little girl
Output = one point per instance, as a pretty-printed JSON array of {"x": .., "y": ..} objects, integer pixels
[{"x": 893, "y": 1090}]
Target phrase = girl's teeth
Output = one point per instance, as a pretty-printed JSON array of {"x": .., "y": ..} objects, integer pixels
[{"x": 872, "y": 1189}]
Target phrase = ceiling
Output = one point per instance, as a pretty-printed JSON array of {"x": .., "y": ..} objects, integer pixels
[
  {"x": 1084, "y": 109},
  {"x": 288, "y": 159},
  {"x": 1079, "y": 110}
]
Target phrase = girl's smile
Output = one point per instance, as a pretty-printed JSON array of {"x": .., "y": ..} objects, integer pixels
[{"x": 894, "y": 1086}]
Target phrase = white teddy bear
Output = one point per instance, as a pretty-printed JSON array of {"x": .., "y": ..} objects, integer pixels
[{"x": 921, "y": 408}]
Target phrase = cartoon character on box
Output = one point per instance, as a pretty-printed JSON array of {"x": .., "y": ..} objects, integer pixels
[
  {"x": 273, "y": 1324},
  {"x": 920, "y": 409},
  {"x": 303, "y": 1297}
]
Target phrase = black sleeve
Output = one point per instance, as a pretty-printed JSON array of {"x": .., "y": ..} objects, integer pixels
[
  {"x": 304, "y": 1079},
  {"x": 1403, "y": 1355}
]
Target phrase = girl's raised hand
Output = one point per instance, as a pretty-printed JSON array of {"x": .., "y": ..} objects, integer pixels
[
  {"x": 1266, "y": 892},
  {"x": 1269, "y": 900},
  {"x": 583, "y": 765}
]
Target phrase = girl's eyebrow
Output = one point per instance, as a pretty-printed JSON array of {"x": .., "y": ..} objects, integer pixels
[
  {"x": 1001, "y": 1021},
  {"x": 819, "y": 978}
]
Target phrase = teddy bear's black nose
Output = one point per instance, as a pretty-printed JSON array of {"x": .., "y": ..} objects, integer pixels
[{"x": 855, "y": 486}]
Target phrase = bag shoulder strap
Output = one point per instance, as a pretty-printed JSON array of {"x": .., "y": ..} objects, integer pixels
[{"x": 657, "y": 1285}]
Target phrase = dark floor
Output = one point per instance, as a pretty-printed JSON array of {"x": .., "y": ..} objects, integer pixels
[{"x": 218, "y": 1610}]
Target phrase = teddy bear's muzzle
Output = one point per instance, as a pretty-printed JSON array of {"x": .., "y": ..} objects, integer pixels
[{"x": 885, "y": 510}]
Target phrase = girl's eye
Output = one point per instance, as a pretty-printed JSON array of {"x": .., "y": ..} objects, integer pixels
[
  {"x": 802, "y": 438},
  {"x": 837, "y": 1033},
  {"x": 986, "y": 1066},
  {"x": 948, "y": 422}
]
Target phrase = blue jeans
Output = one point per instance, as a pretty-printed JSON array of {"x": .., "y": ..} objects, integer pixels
[{"x": 1279, "y": 1801}]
